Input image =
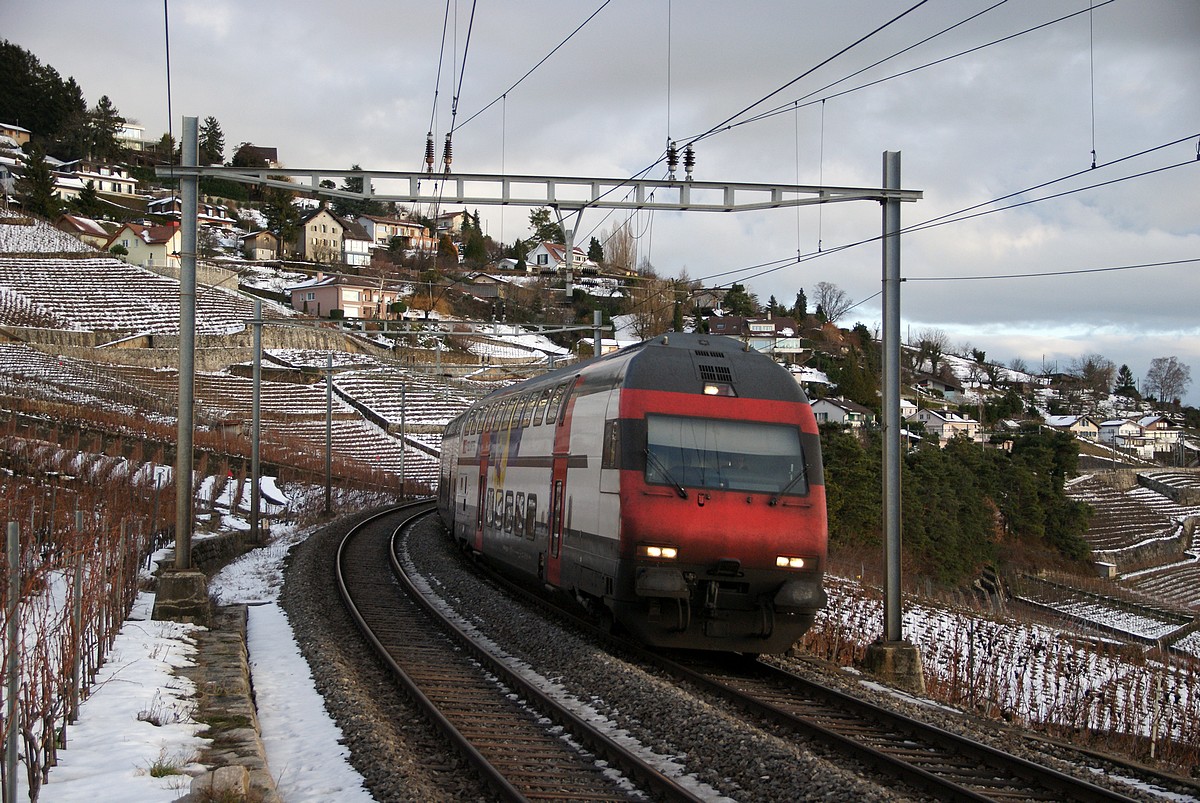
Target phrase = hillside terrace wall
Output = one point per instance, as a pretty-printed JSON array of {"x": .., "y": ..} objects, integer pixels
[
  {"x": 1152, "y": 551},
  {"x": 1186, "y": 495}
]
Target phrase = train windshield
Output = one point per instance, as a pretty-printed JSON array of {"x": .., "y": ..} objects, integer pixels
[{"x": 732, "y": 455}]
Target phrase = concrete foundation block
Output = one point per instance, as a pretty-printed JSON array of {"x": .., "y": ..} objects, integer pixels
[
  {"x": 897, "y": 663},
  {"x": 183, "y": 597}
]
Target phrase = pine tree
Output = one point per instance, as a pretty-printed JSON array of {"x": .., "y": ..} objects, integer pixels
[
  {"x": 88, "y": 203},
  {"x": 212, "y": 142},
  {"x": 36, "y": 187},
  {"x": 595, "y": 251},
  {"x": 104, "y": 124},
  {"x": 1125, "y": 384},
  {"x": 800, "y": 309}
]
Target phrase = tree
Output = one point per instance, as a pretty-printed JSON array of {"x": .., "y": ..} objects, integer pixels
[
  {"x": 620, "y": 249},
  {"x": 104, "y": 124},
  {"x": 283, "y": 218},
  {"x": 595, "y": 251},
  {"x": 738, "y": 302},
  {"x": 247, "y": 155},
  {"x": 1125, "y": 385},
  {"x": 800, "y": 308},
  {"x": 87, "y": 203},
  {"x": 545, "y": 228},
  {"x": 832, "y": 300},
  {"x": 353, "y": 207},
  {"x": 36, "y": 97},
  {"x": 36, "y": 187},
  {"x": 212, "y": 142},
  {"x": 1018, "y": 365},
  {"x": 931, "y": 344},
  {"x": 1168, "y": 379},
  {"x": 1094, "y": 372}
]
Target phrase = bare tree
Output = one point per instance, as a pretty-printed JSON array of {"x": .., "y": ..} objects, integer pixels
[
  {"x": 932, "y": 344},
  {"x": 832, "y": 300},
  {"x": 620, "y": 249},
  {"x": 1019, "y": 365},
  {"x": 1095, "y": 372},
  {"x": 1168, "y": 379}
]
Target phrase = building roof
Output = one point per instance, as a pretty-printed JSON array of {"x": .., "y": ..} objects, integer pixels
[
  {"x": 82, "y": 225},
  {"x": 150, "y": 235}
]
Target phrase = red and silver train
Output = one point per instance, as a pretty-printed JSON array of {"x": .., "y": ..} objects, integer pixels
[{"x": 675, "y": 485}]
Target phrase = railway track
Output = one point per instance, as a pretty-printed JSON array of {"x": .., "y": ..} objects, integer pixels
[
  {"x": 507, "y": 729},
  {"x": 937, "y": 762}
]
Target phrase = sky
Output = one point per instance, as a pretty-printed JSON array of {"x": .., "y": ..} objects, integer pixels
[{"x": 364, "y": 82}]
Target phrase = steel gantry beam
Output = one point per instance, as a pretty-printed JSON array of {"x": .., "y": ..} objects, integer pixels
[{"x": 563, "y": 192}]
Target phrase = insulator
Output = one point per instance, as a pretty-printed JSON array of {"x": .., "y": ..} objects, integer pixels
[
  {"x": 672, "y": 158},
  {"x": 689, "y": 160},
  {"x": 429, "y": 152},
  {"x": 447, "y": 154}
]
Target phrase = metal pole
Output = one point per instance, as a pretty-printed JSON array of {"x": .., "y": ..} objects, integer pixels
[
  {"x": 892, "y": 627},
  {"x": 597, "y": 319},
  {"x": 189, "y": 196},
  {"x": 329, "y": 436},
  {"x": 77, "y": 622},
  {"x": 256, "y": 429},
  {"x": 403, "y": 408},
  {"x": 11, "y": 665}
]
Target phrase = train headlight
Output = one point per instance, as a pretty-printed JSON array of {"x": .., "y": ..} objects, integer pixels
[
  {"x": 657, "y": 551},
  {"x": 788, "y": 562},
  {"x": 718, "y": 389}
]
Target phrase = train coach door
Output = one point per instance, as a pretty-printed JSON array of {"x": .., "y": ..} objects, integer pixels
[{"x": 558, "y": 493}]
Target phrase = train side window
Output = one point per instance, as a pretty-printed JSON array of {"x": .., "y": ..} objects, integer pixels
[
  {"x": 491, "y": 498},
  {"x": 610, "y": 456},
  {"x": 519, "y": 516},
  {"x": 508, "y": 511},
  {"x": 540, "y": 412},
  {"x": 559, "y": 406},
  {"x": 530, "y": 515},
  {"x": 498, "y": 513},
  {"x": 556, "y": 519},
  {"x": 527, "y": 410}
]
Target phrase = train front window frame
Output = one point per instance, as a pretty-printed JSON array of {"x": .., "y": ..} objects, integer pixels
[{"x": 723, "y": 454}]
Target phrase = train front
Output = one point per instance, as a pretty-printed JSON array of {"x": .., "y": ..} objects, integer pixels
[{"x": 723, "y": 521}]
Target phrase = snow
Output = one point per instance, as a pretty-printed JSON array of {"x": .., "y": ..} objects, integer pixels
[{"x": 111, "y": 749}]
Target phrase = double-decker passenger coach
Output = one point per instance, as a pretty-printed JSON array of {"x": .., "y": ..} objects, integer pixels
[{"x": 675, "y": 486}]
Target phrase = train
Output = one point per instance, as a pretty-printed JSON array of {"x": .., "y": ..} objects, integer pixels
[{"x": 673, "y": 487}]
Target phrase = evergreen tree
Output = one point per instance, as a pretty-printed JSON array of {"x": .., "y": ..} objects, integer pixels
[
  {"x": 283, "y": 218},
  {"x": 88, "y": 203},
  {"x": 595, "y": 251},
  {"x": 1125, "y": 383},
  {"x": 353, "y": 207},
  {"x": 212, "y": 142},
  {"x": 738, "y": 302},
  {"x": 104, "y": 124},
  {"x": 677, "y": 317},
  {"x": 36, "y": 187},
  {"x": 800, "y": 308},
  {"x": 545, "y": 229},
  {"x": 36, "y": 97}
]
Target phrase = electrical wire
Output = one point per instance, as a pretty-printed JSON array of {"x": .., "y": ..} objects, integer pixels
[
  {"x": 543, "y": 60},
  {"x": 1040, "y": 274},
  {"x": 804, "y": 99}
]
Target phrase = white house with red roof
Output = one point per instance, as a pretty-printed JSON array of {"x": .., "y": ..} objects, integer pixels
[
  {"x": 148, "y": 246},
  {"x": 551, "y": 258}
]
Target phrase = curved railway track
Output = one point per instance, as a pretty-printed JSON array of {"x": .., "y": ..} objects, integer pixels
[
  {"x": 940, "y": 763},
  {"x": 510, "y": 731}
]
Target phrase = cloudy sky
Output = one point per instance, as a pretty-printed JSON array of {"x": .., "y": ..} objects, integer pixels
[{"x": 332, "y": 85}]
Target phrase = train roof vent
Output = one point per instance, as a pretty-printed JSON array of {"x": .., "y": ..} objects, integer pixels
[
  {"x": 718, "y": 354},
  {"x": 715, "y": 373}
]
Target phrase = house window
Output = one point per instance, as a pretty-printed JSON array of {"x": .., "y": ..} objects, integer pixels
[
  {"x": 543, "y": 259},
  {"x": 310, "y": 297}
]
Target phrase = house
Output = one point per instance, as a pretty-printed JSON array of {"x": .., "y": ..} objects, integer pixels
[
  {"x": 356, "y": 297},
  {"x": 15, "y": 132},
  {"x": 83, "y": 229},
  {"x": 258, "y": 245},
  {"x": 1119, "y": 432},
  {"x": 206, "y": 214},
  {"x": 551, "y": 258},
  {"x": 946, "y": 387},
  {"x": 770, "y": 335},
  {"x": 148, "y": 246},
  {"x": 413, "y": 236},
  {"x": 486, "y": 286},
  {"x": 944, "y": 425},
  {"x": 356, "y": 243},
  {"x": 842, "y": 411},
  {"x": 450, "y": 222},
  {"x": 108, "y": 179},
  {"x": 1160, "y": 430},
  {"x": 132, "y": 136},
  {"x": 1081, "y": 426},
  {"x": 320, "y": 237}
]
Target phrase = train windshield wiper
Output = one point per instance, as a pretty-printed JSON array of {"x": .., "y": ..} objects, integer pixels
[
  {"x": 775, "y": 499},
  {"x": 666, "y": 474}
]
